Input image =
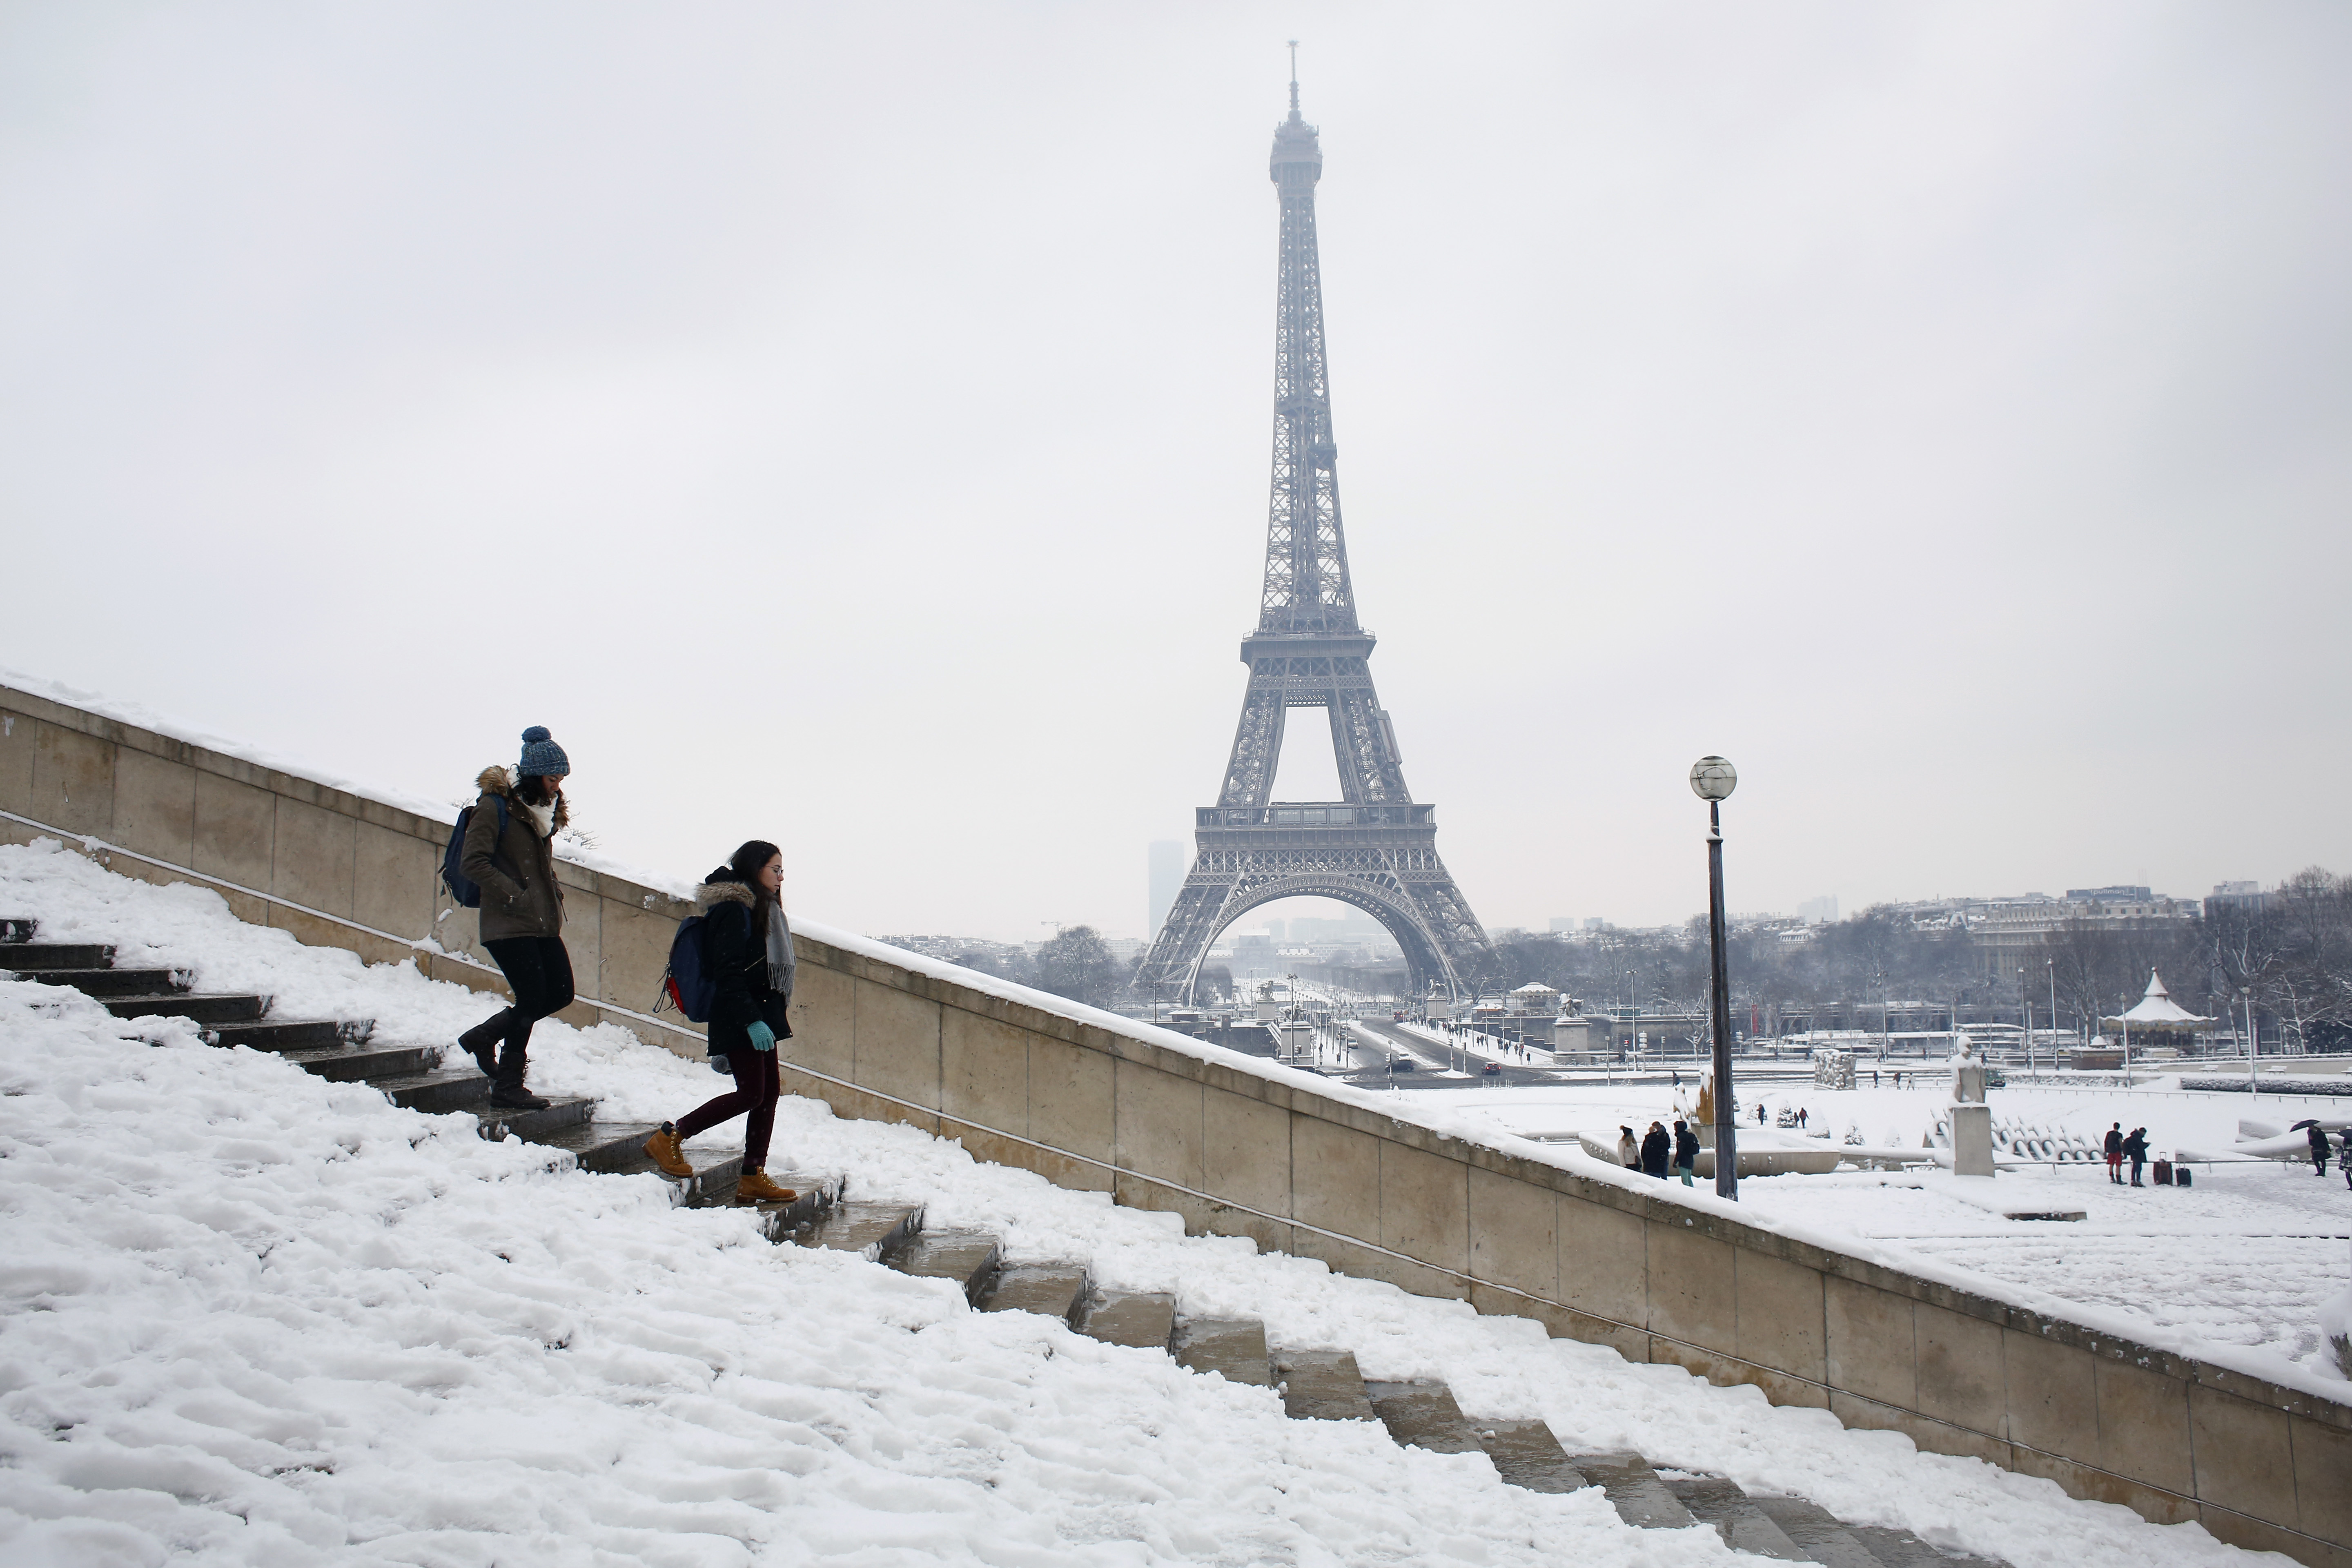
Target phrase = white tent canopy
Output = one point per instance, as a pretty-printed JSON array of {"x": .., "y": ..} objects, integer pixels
[{"x": 2158, "y": 1010}]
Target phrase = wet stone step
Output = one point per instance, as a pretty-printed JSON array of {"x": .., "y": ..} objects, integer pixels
[
  {"x": 606, "y": 1148},
  {"x": 560, "y": 1118},
  {"x": 1719, "y": 1501},
  {"x": 1143, "y": 1320},
  {"x": 1635, "y": 1490},
  {"x": 222, "y": 1008},
  {"x": 1322, "y": 1385},
  {"x": 1525, "y": 1454},
  {"x": 290, "y": 1035},
  {"x": 714, "y": 1177},
  {"x": 1901, "y": 1549},
  {"x": 967, "y": 1257},
  {"x": 436, "y": 1093},
  {"x": 1234, "y": 1348},
  {"x": 874, "y": 1231},
  {"x": 109, "y": 982},
  {"x": 343, "y": 1065},
  {"x": 19, "y": 957},
  {"x": 814, "y": 1195},
  {"x": 1422, "y": 1415},
  {"x": 1816, "y": 1532},
  {"x": 1053, "y": 1289}
]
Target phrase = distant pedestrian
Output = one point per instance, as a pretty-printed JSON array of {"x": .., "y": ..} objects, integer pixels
[
  {"x": 1800, "y": 1117},
  {"x": 2344, "y": 1154},
  {"x": 2136, "y": 1151},
  {"x": 1629, "y": 1153},
  {"x": 747, "y": 951},
  {"x": 1656, "y": 1148},
  {"x": 2318, "y": 1137},
  {"x": 1898, "y": 1078},
  {"x": 2114, "y": 1148},
  {"x": 509, "y": 853},
  {"x": 1686, "y": 1151},
  {"x": 1759, "y": 1114},
  {"x": 1873, "y": 1077}
]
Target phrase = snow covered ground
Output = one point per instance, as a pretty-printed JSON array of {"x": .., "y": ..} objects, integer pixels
[
  {"x": 250, "y": 1316},
  {"x": 2245, "y": 1258}
]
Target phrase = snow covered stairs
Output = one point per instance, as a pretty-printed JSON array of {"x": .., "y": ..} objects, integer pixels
[
  {"x": 1325, "y": 1385},
  {"x": 340, "y": 1052}
]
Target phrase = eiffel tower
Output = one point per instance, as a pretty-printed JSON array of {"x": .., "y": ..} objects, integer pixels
[{"x": 1377, "y": 847}]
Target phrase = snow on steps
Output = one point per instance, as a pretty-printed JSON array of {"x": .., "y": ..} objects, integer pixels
[{"x": 1315, "y": 1383}]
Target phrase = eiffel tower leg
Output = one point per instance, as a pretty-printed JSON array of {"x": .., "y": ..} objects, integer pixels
[{"x": 1257, "y": 748}]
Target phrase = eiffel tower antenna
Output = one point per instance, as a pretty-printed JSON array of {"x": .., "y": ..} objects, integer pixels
[{"x": 1375, "y": 848}]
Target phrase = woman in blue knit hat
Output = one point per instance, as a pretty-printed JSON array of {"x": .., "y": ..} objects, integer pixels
[{"x": 510, "y": 852}]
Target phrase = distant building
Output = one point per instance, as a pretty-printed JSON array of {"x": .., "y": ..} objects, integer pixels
[
  {"x": 1820, "y": 911},
  {"x": 2008, "y": 937},
  {"x": 1564, "y": 923},
  {"x": 2239, "y": 898}
]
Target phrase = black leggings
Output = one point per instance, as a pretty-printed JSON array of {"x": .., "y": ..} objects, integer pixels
[
  {"x": 539, "y": 970},
  {"x": 758, "y": 1082}
]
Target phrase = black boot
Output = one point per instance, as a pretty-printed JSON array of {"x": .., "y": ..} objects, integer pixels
[
  {"x": 516, "y": 1098},
  {"x": 481, "y": 1041}
]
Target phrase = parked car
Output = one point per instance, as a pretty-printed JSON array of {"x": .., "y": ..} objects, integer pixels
[{"x": 1401, "y": 1064}]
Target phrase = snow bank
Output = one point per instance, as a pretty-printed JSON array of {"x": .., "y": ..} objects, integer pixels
[{"x": 255, "y": 1316}]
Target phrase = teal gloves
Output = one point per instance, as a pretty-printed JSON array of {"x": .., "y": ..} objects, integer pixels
[{"x": 763, "y": 1038}]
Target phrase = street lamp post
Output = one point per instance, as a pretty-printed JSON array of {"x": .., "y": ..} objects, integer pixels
[{"x": 1712, "y": 780}]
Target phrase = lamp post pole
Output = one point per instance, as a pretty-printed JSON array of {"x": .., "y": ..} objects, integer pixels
[{"x": 1712, "y": 780}]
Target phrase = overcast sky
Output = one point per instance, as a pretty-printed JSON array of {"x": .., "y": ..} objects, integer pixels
[{"x": 849, "y": 424}]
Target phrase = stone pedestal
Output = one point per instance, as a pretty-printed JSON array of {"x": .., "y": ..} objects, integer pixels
[{"x": 1972, "y": 1140}]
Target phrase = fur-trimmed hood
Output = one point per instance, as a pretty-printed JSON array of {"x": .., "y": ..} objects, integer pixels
[
  {"x": 710, "y": 895},
  {"x": 499, "y": 779}
]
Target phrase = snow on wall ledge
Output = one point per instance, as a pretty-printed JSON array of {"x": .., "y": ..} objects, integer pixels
[{"x": 2258, "y": 1450}]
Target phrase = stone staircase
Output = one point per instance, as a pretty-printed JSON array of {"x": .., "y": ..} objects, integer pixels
[{"x": 1315, "y": 1383}]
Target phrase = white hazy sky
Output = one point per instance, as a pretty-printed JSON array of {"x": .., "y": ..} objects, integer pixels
[{"x": 849, "y": 424}]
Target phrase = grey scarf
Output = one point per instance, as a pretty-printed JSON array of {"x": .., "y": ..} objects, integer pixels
[{"x": 780, "y": 952}]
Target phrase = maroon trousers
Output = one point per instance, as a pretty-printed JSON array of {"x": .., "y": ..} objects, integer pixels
[{"x": 758, "y": 1082}]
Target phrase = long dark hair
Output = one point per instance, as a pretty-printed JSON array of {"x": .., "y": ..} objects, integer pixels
[
  {"x": 536, "y": 789},
  {"x": 747, "y": 863}
]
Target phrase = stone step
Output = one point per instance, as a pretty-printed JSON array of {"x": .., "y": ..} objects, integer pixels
[
  {"x": 1322, "y": 1385},
  {"x": 18, "y": 928},
  {"x": 1901, "y": 1549},
  {"x": 1145, "y": 1319},
  {"x": 560, "y": 1118},
  {"x": 875, "y": 1231},
  {"x": 1719, "y": 1501},
  {"x": 226, "y": 1008},
  {"x": 607, "y": 1148},
  {"x": 94, "y": 981},
  {"x": 1816, "y": 1532},
  {"x": 1234, "y": 1348},
  {"x": 438, "y": 1091},
  {"x": 1635, "y": 1490},
  {"x": 814, "y": 1196},
  {"x": 1525, "y": 1454},
  {"x": 968, "y": 1257},
  {"x": 292, "y": 1034},
  {"x": 343, "y": 1064},
  {"x": 18, "y": 957},
  {"x": 714, "y": 1178},
  {"x": 1055, "y": 1290},
  {"x": 1422, "y": 1414}
]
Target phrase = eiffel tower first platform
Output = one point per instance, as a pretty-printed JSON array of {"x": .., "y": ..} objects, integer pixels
[{"x": 1376, "y": 848}]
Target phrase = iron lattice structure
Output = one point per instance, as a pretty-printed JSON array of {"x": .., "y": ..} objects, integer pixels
[{"x": 1376, "y": 848}]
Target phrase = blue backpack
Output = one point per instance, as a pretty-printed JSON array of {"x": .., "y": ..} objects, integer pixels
[
  {"x": 685, "y": 985},
  {"x": 462, "y": 888}
]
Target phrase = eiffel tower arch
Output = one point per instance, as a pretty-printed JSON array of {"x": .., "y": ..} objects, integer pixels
[{"x": 1376, "y": 848}]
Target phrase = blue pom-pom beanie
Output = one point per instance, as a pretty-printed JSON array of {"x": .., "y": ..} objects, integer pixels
[{"x": 541, "y": 756}]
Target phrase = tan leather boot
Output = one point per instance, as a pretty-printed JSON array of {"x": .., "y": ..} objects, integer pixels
[
  {"x": 663, "y": 1147},
  {"x": 753, "y": 1187}
]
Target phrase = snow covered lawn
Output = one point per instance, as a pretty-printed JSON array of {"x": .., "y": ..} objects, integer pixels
[
  {"x": 250, "y": 1316},
  {"x": 2243, "y": 1258}
]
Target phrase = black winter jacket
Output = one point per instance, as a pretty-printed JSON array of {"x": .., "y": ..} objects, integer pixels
[
  {"x": 736, "y": 960},
  {"x": 1686, "y": 1147},
  {"x": 1653, "y": 1152}
]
